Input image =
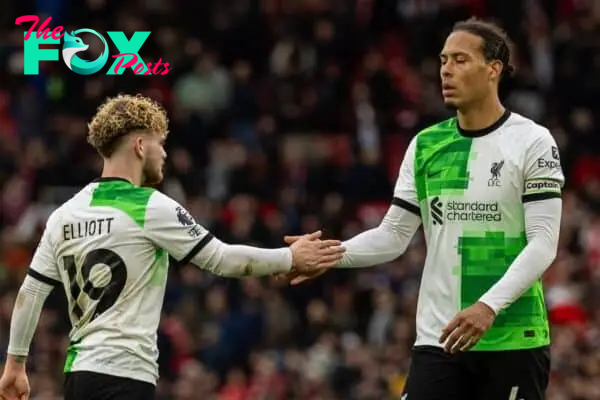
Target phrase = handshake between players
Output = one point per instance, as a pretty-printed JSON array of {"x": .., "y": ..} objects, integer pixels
[{"x": 311, "y": 256}]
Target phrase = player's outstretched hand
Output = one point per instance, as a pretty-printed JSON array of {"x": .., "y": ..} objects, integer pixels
[
  {"x": 296, "y": 277},
  {"x": 312, "y": 255},
  {"x": 467, "y": 327},
  {"x": 14, "y": 385}
]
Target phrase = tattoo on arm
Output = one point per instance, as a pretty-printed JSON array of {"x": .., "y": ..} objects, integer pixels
[{"x": 20, "y": 359}]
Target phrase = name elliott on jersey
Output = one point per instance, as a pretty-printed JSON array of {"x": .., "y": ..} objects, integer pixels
[{"x": 87, "y": 228}]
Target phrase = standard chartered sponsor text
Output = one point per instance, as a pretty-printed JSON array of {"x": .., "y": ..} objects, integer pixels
[{"x": 475, "y": 211}]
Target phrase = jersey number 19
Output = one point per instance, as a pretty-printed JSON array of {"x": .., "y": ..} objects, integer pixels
[{"x": 105, "y": 295}]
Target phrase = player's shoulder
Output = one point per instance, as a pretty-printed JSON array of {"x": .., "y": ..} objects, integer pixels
[
  {"x": 527, "y": 129},
  {"x": 55, "y": 217},
  {"x": 162, "y": 206},
  {"x": 440, "y": 130},
  {"x": 525, "y": 138},
  {"x": 432, "y": 138},
  {"x": 77, "y": 201},
  {"x": 159, "y": 201}
]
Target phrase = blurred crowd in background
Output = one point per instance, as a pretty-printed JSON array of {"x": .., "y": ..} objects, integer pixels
[{"x": 288, "y": 116}]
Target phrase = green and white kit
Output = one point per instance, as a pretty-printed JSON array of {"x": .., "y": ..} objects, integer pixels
[
  {"x": 470, "y": 194},
  {"x": 109, "y": 247}
]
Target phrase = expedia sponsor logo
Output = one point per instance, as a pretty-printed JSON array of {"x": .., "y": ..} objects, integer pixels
[
  {"x": 541, "y": 186},
  {"x": 549, "y": 164},
  {"x": 459, "y": 211}
]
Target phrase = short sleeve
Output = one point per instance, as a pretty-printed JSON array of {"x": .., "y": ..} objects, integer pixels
[
  {"x": 405, "y": 191},
  {"x": 544, "y": 177},
  {"x": 171, "y": 227},
  {"x": 43, "y": 266}
]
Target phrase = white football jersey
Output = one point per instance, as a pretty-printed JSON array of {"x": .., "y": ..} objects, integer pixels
[
  {"x": 109, "y": 247},
  {"x": 469, "y": 189}
]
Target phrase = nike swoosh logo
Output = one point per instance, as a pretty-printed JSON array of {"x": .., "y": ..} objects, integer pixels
[{"x": 432, "y": 174}]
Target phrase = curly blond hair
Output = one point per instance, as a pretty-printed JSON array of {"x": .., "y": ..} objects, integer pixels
[{"x": 121, "y": 115}]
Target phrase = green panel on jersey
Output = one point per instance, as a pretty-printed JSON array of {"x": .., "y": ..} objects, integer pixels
[
  {"x": 160, "y": 267},
  {"x": 441, "y": 161},
  {"x": 484, "y": 260},
  {"x": 72, "y": 352},
  {"x": 472, "y": 251},
  {"x": 130, "y": 199}
]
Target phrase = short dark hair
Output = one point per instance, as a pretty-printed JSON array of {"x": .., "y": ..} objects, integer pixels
[{"x": 496, "y": 43}]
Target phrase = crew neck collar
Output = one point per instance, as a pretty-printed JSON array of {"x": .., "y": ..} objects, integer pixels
[{"x": 474, "y": 133}]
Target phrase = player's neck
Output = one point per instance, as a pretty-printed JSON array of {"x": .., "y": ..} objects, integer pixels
[
  {"x": 480, "y": 116},
  {"x": 118, "y": 168}
]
